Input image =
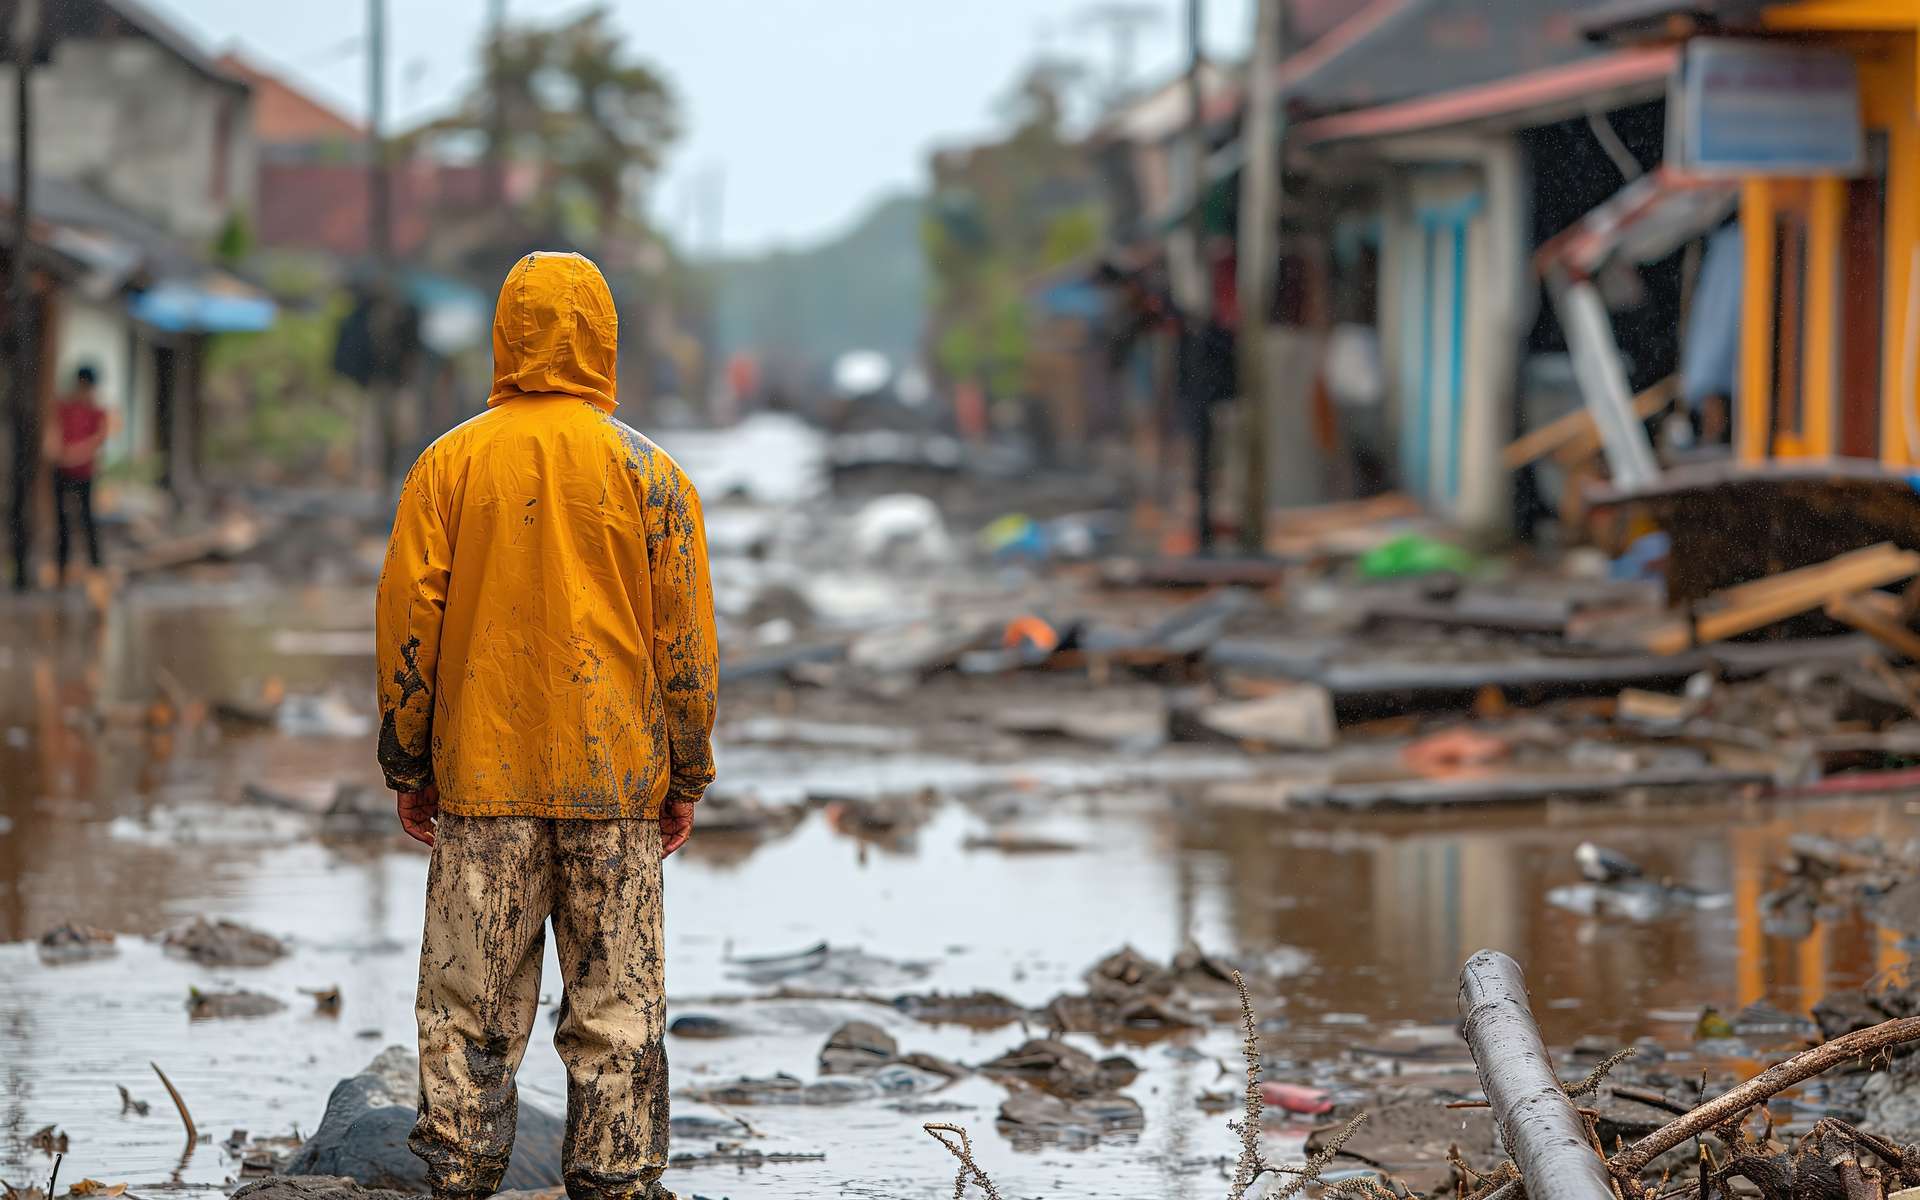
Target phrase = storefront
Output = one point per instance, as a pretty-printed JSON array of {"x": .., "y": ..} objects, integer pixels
[{"x": 1818, "y": 117}]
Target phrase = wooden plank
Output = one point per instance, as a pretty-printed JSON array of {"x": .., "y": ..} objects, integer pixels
[
  {"x": 1785, "y": 596},
  {"x": 1575, "y": 434},
  {"x": 1873, "y": 620},
  {"x": 1516, "y": 787},
  {"x": 1746, "y": 593}
]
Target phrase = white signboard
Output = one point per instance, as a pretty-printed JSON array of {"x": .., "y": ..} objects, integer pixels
[{"x": 1767, "y": 108}]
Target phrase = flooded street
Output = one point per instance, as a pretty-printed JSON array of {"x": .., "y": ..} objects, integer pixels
[{"x": 114, "y": 818}]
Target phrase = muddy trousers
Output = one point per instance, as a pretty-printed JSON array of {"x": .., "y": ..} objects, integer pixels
[{"x": 493, "y": 885}]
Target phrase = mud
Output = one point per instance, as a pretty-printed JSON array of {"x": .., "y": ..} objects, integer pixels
[{"x": 873, "y": 853}]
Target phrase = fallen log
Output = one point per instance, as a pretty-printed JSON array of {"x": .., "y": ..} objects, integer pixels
[
  {"x": 1514, "y": 787},
  {"x": 1538, "y": 1124},
  {"x": 1861, "y": 1043}
]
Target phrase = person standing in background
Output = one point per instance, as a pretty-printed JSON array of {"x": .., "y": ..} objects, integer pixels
[{"x": 79, "y": 430}]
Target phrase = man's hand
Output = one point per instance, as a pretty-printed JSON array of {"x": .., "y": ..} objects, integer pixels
[
  {"x": 418, "y": 811},
  {"x": 676, "y": 825}
]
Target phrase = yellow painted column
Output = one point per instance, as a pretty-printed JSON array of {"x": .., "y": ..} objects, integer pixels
[
  {"x": 1755, "y": 413},
  {"x": 1821, "y": 367},
  {"x": 1900, "y": 380}
]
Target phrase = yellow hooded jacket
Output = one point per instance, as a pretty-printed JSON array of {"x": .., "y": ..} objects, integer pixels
[{"x": 545, "y": 618}]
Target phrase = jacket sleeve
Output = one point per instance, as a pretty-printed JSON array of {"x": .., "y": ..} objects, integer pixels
[
  {"x": 412, "y": 601},
  {"x": 686, "y": 654}
]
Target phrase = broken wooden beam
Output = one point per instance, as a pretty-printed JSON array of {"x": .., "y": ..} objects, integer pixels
[
  {"x": 1538, "y": 1124},
  {"x": 1880, "y": 617},
  {"x": 1518, "y": 787},
  {"x": 1575, "y": 435},
  {"x": 1755, "y": 605},
  {"x": 1860, "y": 1044}
]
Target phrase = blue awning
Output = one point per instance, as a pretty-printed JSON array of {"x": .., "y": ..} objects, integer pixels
[{"x": 180, "y": 307}]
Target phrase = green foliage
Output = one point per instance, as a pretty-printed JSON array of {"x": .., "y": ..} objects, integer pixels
[
  {"x": 275, "y": 398},
  {"x": 574, "y": 99},
  {"x": 1071, "y": 235},
  {"x": 1002, "y": 215},
  {"x": 235, "y": 241}
]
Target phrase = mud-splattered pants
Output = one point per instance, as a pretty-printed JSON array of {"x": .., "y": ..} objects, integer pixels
[{"x": 494, "y": 883}]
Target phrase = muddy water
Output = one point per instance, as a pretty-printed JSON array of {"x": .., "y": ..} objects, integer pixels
[{"x": 111, "y": 822}]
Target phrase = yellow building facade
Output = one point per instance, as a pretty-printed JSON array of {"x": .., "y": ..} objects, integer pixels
[{"x": 1830, "y": 349}]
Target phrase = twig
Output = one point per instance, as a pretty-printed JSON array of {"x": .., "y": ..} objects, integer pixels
[
  {"x": 1309, "y": 1171},
  {"x": 186, "y": 1118},
  {"x": 963, "y": 1151},
  {"x": 55, "y": 1177},
  {"x": 1252, "y": 1163},
  {"x": 1630, "y": 1162},
  {"x": 1651, "y": 1097},
  {"x": 1598, "y": 1075}
]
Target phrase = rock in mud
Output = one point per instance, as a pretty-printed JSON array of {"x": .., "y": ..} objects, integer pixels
[
  {"x": 1042, "y": 1114},
  {"x": 214, "y": 1006},
  {"x": 728, "y": 812},
  {"x": 223, "y": 944},
  {"x": 985, "y": 1010},
  {"x": 1062, "y": 1069},
  {"x": 786, "y": 1089},
  {"x": 359, "y": 811},
  {"x": 707, "y": 1129},
  {"x": 316, "y": 1187},
  {"x": 70, "y": 943},
  {"x": 699, "y": 1027},
  {"x": 363, "y": 1135},
  {"x": 881, "y": 818},
  {"x": 857, "y": 1048}
]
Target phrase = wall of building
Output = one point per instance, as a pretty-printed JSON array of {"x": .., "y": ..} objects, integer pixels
[
  {"x": 134, "y": 122},
  {"x": 1889, "y": 66},
  {"x": 100, "y": 336}
]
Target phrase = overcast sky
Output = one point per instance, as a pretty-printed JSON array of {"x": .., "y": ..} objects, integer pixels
[{"x": 805, "y": 110}]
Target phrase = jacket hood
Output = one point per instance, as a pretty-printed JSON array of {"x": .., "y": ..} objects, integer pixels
[{"x": 555, "y": 331}]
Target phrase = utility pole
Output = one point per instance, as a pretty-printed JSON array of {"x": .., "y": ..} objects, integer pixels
[
  {"x": 1123, "y": 21},
  {"x": 22, "y": 348},
  {"x": 1199, "y": 301},
  {"x": 379, "y": 199},
  {"x": 497, "y": 92},
  {"x": 383, "y": 316},
  {"x": 1260, "y": 196},
  {"x": 1196, "y": 325}
]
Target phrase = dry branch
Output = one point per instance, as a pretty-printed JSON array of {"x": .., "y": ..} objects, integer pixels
[
  {"x": 1716, "y": 1112},
  {"x": 186, "y": 1118},
  {"x": 1538, "y": 1124},
  {"x": 963, "y": 1150}
]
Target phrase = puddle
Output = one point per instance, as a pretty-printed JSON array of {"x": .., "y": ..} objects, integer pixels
[{"x": 110, "y": 823}]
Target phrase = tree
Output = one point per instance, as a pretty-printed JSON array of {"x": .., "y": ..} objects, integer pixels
[{"x": 572, "y": 98}]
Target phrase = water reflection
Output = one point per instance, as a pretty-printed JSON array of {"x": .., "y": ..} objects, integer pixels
[{"x": 124, "y": 802}]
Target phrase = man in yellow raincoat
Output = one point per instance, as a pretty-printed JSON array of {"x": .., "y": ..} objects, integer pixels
[{"x": 547, "y": 670}]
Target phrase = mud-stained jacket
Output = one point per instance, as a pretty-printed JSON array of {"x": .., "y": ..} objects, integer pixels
[{"x": 545, "y": 618}]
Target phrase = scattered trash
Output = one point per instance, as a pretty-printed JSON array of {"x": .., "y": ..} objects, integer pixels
[
  {"x": 326, "y": 1001},
  {"x": 826, "y": 968},
  {"x": 128, "y": 1104},
  {"x": 212, "y": 1006},
  {"x": 323, "y": 716},
  {"x": 48, "y": 1140},
  {"x": 70, "y": 943}
]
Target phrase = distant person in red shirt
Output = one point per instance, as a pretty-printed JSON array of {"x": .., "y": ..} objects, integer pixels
[{"x": 80, "y": 425}]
